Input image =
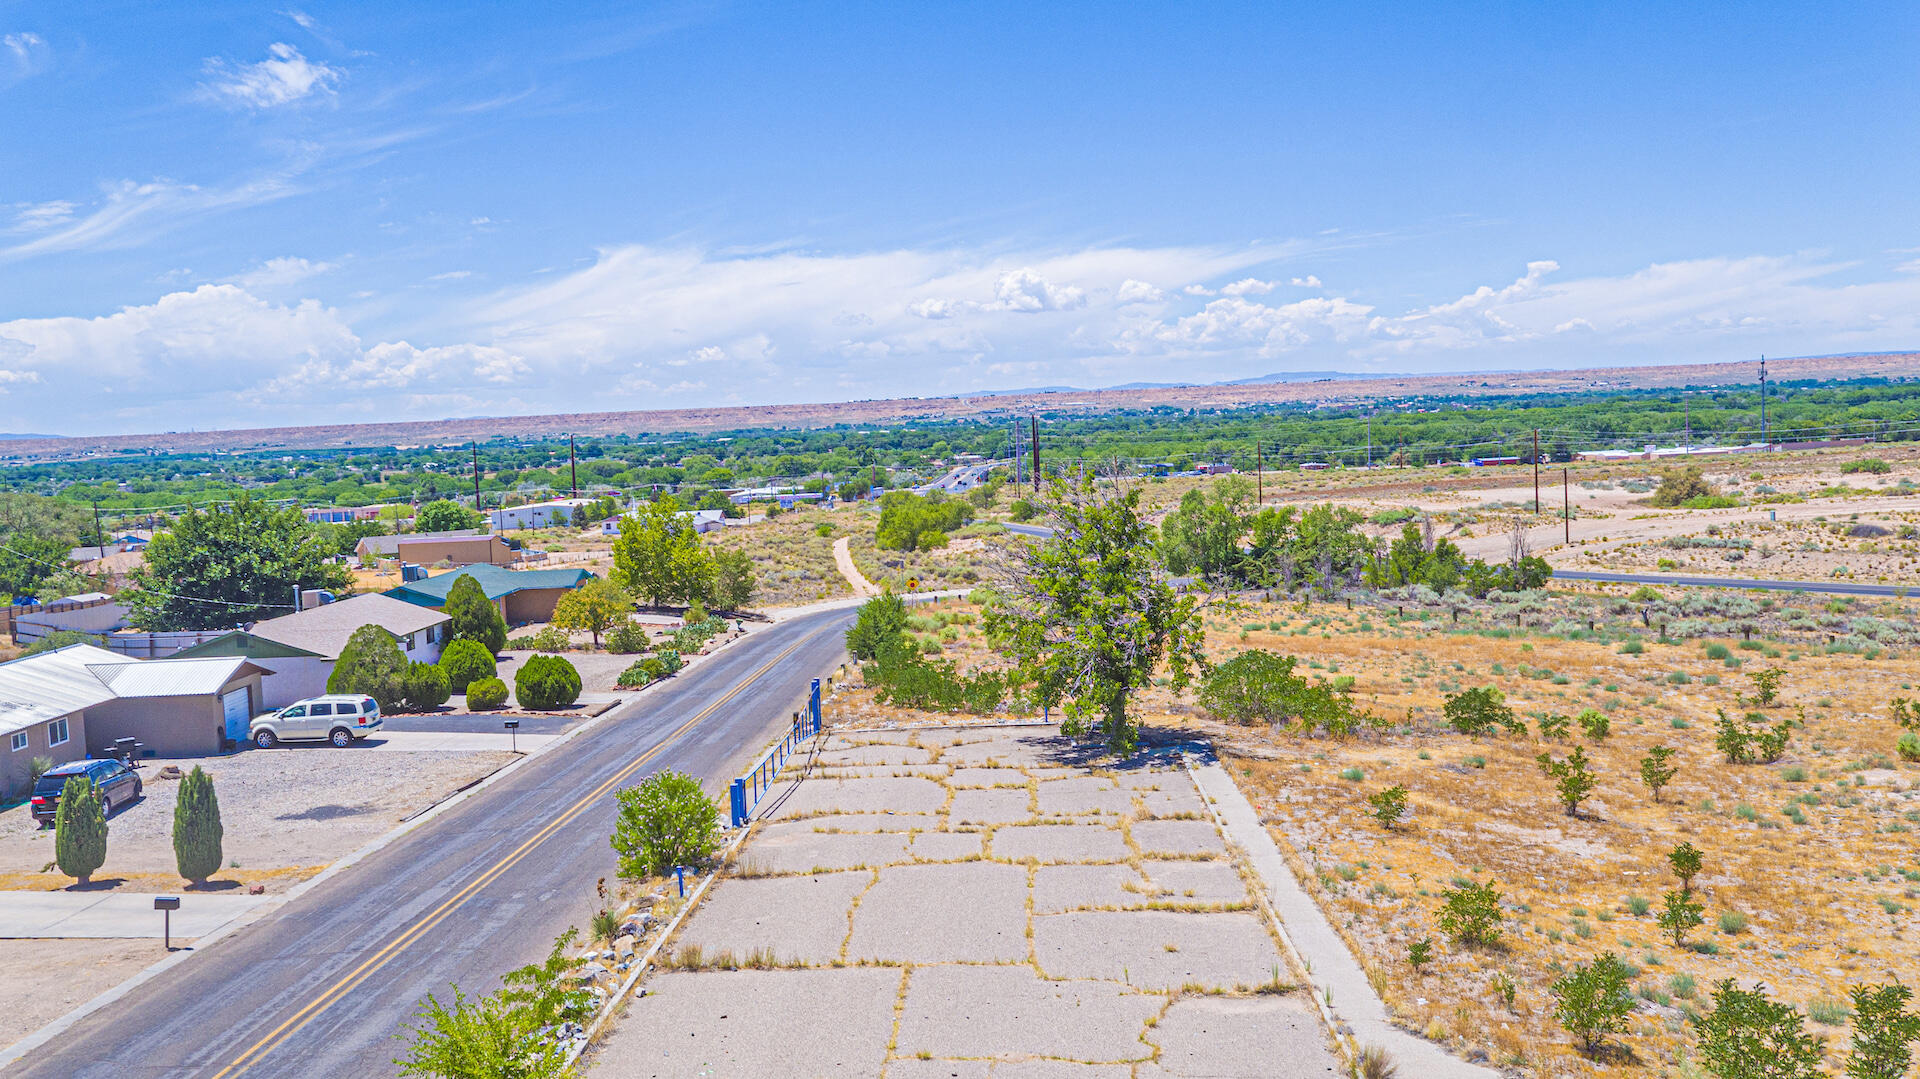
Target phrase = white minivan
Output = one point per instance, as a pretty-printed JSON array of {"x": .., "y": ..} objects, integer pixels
[{"x": 339, "y": 718}]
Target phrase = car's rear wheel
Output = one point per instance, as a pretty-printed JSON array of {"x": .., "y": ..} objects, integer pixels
[
  {"x": 341, "y": 737},
  {"x": 106, "y": 806},
  {"x": 264, "y": 739}
]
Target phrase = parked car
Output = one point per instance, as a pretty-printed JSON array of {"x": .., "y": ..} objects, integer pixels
[
  {"x": 340, "y": 718},
  {"x": 115, "y": 783}
]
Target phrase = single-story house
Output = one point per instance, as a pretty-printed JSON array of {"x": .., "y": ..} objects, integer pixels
[
  {"x": 297, "y": 651},
  {"x": 786, "y": 496},
  {"x": 556, "y": 513},
  {"x": 371, "y": 548},
  {"x": 74, "y": 702},
  {"x": 523, "y": 596},
  {"x": 703, "y": 521}
]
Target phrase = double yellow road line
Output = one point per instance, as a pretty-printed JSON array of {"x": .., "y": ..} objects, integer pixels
[{"x": 412, "y": 934}]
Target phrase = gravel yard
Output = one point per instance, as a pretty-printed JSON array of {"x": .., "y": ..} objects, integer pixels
[
  {"x": 44, "y": 979},
  {"x": 287, "y": 812}
]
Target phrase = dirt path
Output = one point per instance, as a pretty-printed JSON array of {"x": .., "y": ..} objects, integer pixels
[{"x": 843, "y": 558}]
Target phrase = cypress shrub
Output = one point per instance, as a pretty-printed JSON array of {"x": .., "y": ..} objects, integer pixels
[
  {"x": 426, "y": 687},
  {"x": 486, "y": 694},
  {"x": 370, "y": 663},
  {"x": 196, "y": 828},
  {"x": 464, "y": 661},
  {"x": 79, "y": 830},
  {"x": 544, "y": 682},
  {"x": 475, "y": 618}
]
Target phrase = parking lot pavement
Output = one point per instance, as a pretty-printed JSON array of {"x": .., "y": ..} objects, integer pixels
[
  {"x": 1104, "y": 930},
  {"x": 115, "y": 914},
  {"x": 454, "y": 741}
]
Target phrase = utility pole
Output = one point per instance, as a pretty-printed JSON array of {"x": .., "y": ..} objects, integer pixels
[
  {"x": 1369, "y": 440},
  {"x": 1536, "y": 470},
  {"x": 1016, "y": 453},
  {"x": 1764, "y": 444},
  {"x": 1034, "y": 440},
  {"x": 476, "y": 476},
  {"x": 1566, "y": 508},
  {"x": 1259, "y": 477},
  {"x": 99, "y": 537},
  {"x": 573, "y": 466},
  {"x": 1687, "y": 412}
]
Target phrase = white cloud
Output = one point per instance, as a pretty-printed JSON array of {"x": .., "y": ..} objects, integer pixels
[
  {"x": 1198, "y": 290},
  {"x": 39, "y": 216},
  {"x": 284, "y": 77},
  {"x": 1024, "y": 290},
  {"x": 1309, "y": 281},
  {"x": 306, "y": 21},
  {"x": 22, "y": 54},
  {"x": 282, "y": 272},
  {"x": 1132, "y": 291},
  {"x": 1250, "y": 286},
  {"x": 129, "y": 212},
  {"x": 452, "y": 275}
]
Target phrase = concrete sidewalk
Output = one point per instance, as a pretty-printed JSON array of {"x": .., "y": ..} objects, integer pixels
[
  {"x": 117, "y": 914},
  {"x": 1336, "y": 974}
]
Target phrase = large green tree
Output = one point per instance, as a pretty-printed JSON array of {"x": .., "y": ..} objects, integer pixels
[
  {"x": 1204, "y": 535},
  {"x": 1089, "y": 616},
  {"x": 474, "y": 616},
  {"x": 596, "y": 606},
  {"x": 659, "y": 556},
  {"x": 445, "y": 516},
  {"x": 235, "y": 563},
  {"x": 371, "y": 663}
]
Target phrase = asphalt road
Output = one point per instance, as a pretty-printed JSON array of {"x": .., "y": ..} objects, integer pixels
[
  {"x": 323, "y": 985},
  {"x": 1824, "y": 588}
]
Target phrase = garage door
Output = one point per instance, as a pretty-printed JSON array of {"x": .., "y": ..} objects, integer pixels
[{"x": 234, "y": 706}]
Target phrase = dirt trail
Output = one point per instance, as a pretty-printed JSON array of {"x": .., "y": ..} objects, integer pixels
[{"x": 843, "y": 558}]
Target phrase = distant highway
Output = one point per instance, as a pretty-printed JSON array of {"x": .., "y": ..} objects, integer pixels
[{"x": 1824, "y": 588}]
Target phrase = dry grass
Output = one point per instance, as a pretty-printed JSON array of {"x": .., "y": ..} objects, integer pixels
[{"x": 793, "y": 563}]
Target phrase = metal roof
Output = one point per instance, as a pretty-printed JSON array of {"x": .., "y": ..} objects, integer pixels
[
  {"x": 323, "y": 630},
  {"x": 495, "y": 581},
  {"x": 171, "y": 677},
  {"x": 44, "y": 687},
  {"x": 246, "y": 645},
  {"x": 389, "y": 545}
]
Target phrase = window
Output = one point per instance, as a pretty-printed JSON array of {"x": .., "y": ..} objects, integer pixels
[
  {"x": 322, "y": 710},
  {"x": 57, "y": 732},
  {"x": 408, "y": 641},
  {"x": 19, "y": 741},
  {"x": 298, "y": 711}
]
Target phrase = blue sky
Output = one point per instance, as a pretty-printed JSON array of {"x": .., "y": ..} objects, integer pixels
[{"x": 227, "y": 215}]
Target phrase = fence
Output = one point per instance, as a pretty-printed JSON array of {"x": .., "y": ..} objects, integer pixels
[
  {"x": 748, "y": 789},
  {"x": 14, "y": 612}
]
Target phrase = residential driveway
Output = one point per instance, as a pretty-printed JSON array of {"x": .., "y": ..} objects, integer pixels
[
  {"x": 116, "y": 914},
  {"x": 976, "y": 902}
]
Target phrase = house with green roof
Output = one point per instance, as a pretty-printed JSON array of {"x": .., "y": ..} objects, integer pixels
[{"x": 522, "y": 595}]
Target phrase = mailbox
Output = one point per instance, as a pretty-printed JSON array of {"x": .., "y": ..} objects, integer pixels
[{"x": 166, "y": 902}]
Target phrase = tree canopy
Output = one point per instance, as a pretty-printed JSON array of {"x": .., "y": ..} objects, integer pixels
[
  {"x": 234, "y": 564},
  {"x": 445, "y": 516},
  {"x": 660, "y": 557}
]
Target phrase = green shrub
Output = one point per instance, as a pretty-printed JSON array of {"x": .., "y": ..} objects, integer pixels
[
  {"x": 79, "y": 830},
  {"x": 1477, "y": 711},
  {"x": 1389, "y": 805},
  {"x": 1260, "y": 687},
  {"x": 544, "y": 682},
  {"x": 1554, "y": 727},
  {"x": 904, "y": 677},
  {"x": 881, "y": 619},
  {"x": 196, "y": 828},
  {"x": 1470, "y": 914},
  {"x": 1656, "y": 771},
  {"x": 1718, "y": 651},
  {"x": 1353, "y": 775},
  {"x": 628, "y": 638},
  {"x": 464, "y": 661},
  {"x": 1883, "y": 1031},
  {"x": 664, "y": 822},
  {"x": 1637, "y": 905},
  {"x": 1748, "y": 1036},
  {"x": 59, "y": 638},
  {"x": 425, "y": 687},
  {"x": 1592, "y": 1001},
  {"x": 1908, "y": 746},
  {"x": 1872, "y": 465},
  {"x": 1632, "y": 647},
  {"x": 547, "y": 639},
  {"x": 638, "y": 674},
  {"x": 1595, "y": 723},
  {"x": 371, "y": 664},
  {"x": 1678, "y": 914},
  {"x": 486, "y": 694}
]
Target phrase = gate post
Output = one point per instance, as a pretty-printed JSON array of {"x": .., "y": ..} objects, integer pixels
[
  {"x": 813, "y": 713},
  {"x": 739, "y": 802}
]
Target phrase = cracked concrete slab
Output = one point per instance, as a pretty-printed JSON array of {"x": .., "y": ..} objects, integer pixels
[
  {"x": 876, "y": 754},
  {"x": 947, "y": 846},
  {"x": 1083, "y": 794},
  {"x": 974, "y": 1011},
  {"x": 792, "y": 847},
  {"x": 916, "y": 1068},
  {"x": 880, "y": 771},
  {"x": 1058, "y": 1069},
  {"x": 997, "y": 805},
  {"x": 987, "y": 777},
  {"x": 1240, "y": 1038},
  {"x": 1167, "y": 949},
  {"x": 754, "y": 1022},
  {"x": 1058, "y": 888},
  {"x": 1178, "y": 837},
  {"x": 905, "y": 795},
  {"x": 1195, "y": 882},
  {"x": 860, "y": 822},
  {"x": 801, "y": 919},
  {"x": 1060, "y": 843},
  {"x": 962, "y": 912}
]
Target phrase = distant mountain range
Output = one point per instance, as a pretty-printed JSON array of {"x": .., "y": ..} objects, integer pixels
[
  {"x": 6, "y": 436},
  {"x": 1257, "y": 380}
]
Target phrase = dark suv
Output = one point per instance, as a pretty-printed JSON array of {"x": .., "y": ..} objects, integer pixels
[{"x": 115, "y": 783}]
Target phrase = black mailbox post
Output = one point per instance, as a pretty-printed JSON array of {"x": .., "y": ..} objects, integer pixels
[
  {"x": 167, "y": 904},
  {"x": 513, "y": 733}
]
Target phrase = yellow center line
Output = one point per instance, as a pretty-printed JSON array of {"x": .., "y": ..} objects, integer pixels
[{"x": 346, "y": 984}]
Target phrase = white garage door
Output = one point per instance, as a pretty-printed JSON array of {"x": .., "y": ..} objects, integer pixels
[{"x": 234, "y": 706}]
